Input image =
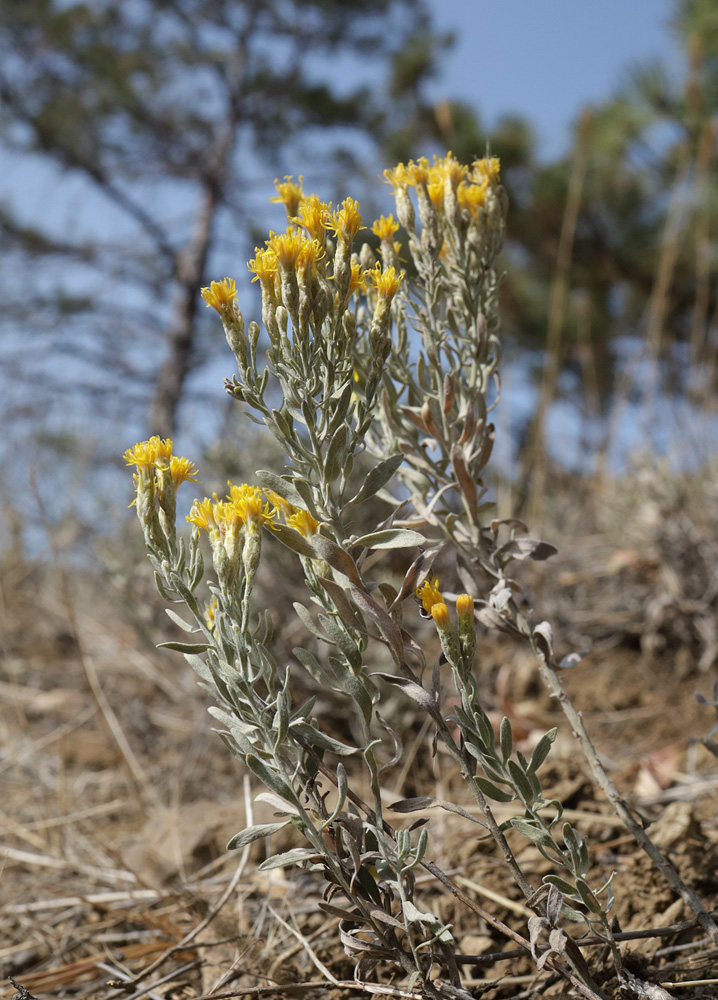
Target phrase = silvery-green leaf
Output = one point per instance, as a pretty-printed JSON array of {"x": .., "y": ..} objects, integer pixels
[
  {"x": 185, "y": 626},
  {"x": 185, "y": 647},
  {"x": 492, "y": 619},
  {"x": 337, "y": 558},
  {"x": 391, "y": 538},
  {"x": 282, "y": 487},
  {"x": 342, "y": 605},
  {"x": 280, "y": 804},
  {"x": 312, "y": 665},
  {"x": 386, "y": 624},
  {"x": 293, "y": 539},
  {"x": 587, "y": 896},
  {"x": 295, "y": 857},
  {"x": 316, "y": 738},
  {"x": 521, "y": 781},
  {"x": 273, "y": 781},
  {"x": 491, "y": 791},
  {"x": 305, "y": 492},
  {"x": 377, "y": 478},
  {"x": 307, "y": 620},
  {"x": 252, "y": 833},
  {"x": 541, "y": 750},
  {"x": 561, "y": 884},
  {"x": 199, "y": 666},
  {"x": 506, "y": 738},
  {"x": 538, "y": 836},
  {"x": 421, "y": 802},
  {"x": 336, "y": 453}
]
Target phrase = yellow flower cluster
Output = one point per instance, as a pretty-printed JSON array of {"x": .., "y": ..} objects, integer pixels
[
  {"x": 156, "y": 453},
  {"x": 446, "y": 179},
  {"x": 302, "y": 247},
  {"x": 158, "y": 475},
  {"x": 242, "y": 505},
  {"x": 234, "y": 527}
]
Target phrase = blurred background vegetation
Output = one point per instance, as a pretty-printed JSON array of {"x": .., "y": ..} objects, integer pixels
[{"x": 162, "y": 124}]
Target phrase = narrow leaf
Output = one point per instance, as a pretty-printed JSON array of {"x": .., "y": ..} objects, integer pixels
[
  {"x": 185, "y": 626},
  {"x": 252, "y": 833},
  {"x": 541, "y": 750},
  {"x": 185, "y": 647},
  {"x": 377, "y": 478},
  {"x": 391, "y": 538},
  {"x": 293, "y": 539},
  {"x": 491, "y": 791}
]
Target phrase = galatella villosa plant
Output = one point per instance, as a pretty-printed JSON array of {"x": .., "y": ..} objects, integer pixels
[{"x": 358, "y": 359}]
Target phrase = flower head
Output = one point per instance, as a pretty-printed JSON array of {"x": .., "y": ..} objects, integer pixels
[
  {"x": 489, "y": 168},
  {"x": 440, "y": 614},
  {"x": 280, "y": 504},
  {"x": 286, "y": 247},
  {"x": 313, "y": 216},
  {"x": 429, "y": 594},
  {"x": 263, "y": 267},
  {"x": 398, "y": 176},
  {"x": 385, "y": 227},
  {"x": 183, "y": 470},
  {"x": 246, "y": 502},
  {"x": 202, "y": 514},
  {"x": 220, "y": 294},
  {"x": 304, "y": 523},
  {"x": 144, "y": 454},
  {"x": 346, "y": 221},
  {"x": 472, "y": 197},
  {"x": 386, "y": 282},
  {"x": 289, "y": 194}
]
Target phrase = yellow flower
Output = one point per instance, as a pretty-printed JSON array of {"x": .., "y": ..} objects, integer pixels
[
  {"x": 450, "y": 167},
  {"x": 144, "y": 454},
  {"x": 385, "y": 227},
  {"x": 304, "y": 523},
  {"x": 346, "y": 221},
  {"x": 418, "y": 173},
  {"x": 289, "y": 194},
  {"x": 202, "y": 514},
  {"x": 398, "y": 176},
  {"x": 247, "y": 503},
  {"x": 472, "y": 197},
  {"x": 220, "y": 294},
  {"x": 280, "y": 504},
  {"x": 263, "y": 267},
  {"x": 435, "y": 187},
  {"x": 313, "y": 216},
  {"x": 357, "y": 282},
  {"x": 311, "y": 251},
  {"x": 163, "y": 455},
  {"x": 489, "y": 168},
  {"x": 465, "y": 607},
  {"x": 387, "y": 283},
  {"x": 210, "y": 612},
  {"x": 440, "y": 614},
  {"x": 183, "y": 471},
  {"x": 428, "y": 593},
  {"x": 286, "y": 247}
]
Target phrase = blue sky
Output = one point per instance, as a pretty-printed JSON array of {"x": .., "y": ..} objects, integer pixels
[{"x": 547, "y": 59}]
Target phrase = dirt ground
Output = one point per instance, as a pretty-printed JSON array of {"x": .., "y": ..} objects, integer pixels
[{"x": 117, "y": 802}]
